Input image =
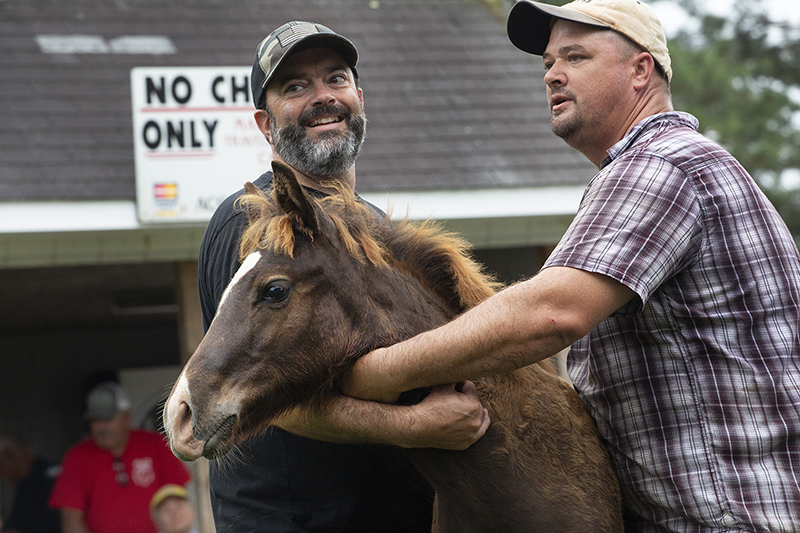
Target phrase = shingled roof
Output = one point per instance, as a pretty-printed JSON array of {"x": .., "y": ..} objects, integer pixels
[{"x": 451, "y": 103}]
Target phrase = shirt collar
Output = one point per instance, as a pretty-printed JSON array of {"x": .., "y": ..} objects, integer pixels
[{"x": 677, "y": 118}]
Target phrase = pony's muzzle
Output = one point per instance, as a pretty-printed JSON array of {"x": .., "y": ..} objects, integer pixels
[{"x": 178, "y": 424}]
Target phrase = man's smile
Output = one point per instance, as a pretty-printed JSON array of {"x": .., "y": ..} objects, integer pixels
[{"x": 321, "y": 121}]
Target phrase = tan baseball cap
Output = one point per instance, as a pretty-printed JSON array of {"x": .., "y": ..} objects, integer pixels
[
  {"x": 529, "y": 24},
  {"x": 165, "y": 492}
]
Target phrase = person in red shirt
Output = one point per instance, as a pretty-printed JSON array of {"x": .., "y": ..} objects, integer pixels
[{"x": 107, "y": 480}]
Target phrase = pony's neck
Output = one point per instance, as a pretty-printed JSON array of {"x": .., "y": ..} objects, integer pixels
[{"x": 441, "y": 262}]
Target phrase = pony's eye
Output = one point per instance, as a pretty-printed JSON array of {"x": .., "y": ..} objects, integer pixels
[{"x": 276, "y": 291}]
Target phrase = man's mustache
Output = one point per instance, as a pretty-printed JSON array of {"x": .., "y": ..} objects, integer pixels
[{"x": 316, "y": 112}]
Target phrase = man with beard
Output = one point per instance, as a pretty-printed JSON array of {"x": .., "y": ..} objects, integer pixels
[{"x": 310, "y": 109}]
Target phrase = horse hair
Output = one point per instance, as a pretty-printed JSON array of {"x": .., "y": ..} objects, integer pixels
[{"x": 418, "y": 248}]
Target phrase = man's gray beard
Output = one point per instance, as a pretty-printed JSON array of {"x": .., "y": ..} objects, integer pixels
[{"x": 329, "y": 156}]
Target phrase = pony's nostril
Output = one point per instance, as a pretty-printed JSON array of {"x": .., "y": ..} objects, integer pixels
[
  {"x": 186, "y": 411},
  {"x": 184, "y": 417}
]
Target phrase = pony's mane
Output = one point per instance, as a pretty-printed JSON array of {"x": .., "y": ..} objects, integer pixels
[
  {"x": 440, "y": 260},
  {"x": 269, "y": 227}
]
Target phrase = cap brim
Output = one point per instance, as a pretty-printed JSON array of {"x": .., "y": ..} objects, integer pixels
[
  {"x": 165, "y": 492},
  {"x": 529, "y": 24},
  {"x": 337, "y": 43}
]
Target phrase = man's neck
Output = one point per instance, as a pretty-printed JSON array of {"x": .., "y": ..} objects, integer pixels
[
  {"x": 119, "y": 449},
  {"x": 597, "y": 153},
  {"x": 322, "y": 183}
]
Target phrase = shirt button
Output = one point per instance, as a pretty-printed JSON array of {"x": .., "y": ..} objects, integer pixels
[{"x": 728, "y": 520}]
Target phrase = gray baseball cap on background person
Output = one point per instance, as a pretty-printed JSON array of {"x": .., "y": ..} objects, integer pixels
[
  {"x": 105, "y": 400},
  {"x": 290, "y": 38}
]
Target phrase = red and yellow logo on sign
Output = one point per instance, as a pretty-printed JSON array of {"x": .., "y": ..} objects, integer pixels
[{"x": 166, "y": 191}]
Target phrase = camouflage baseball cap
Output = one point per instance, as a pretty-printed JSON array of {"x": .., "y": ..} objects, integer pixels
[{"x": 290, "y": 38}]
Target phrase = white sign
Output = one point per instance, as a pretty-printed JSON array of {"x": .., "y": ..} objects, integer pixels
[{"x": 195, "y": 140}]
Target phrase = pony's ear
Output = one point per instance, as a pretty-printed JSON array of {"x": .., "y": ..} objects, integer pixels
[{"x": 292, "y": 199}]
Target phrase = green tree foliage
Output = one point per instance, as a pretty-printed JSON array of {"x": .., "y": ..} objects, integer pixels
[{"x": 737, "y": 75}]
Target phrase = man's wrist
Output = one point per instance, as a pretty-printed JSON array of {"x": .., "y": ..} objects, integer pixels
[{"x": 366, "y": 380}]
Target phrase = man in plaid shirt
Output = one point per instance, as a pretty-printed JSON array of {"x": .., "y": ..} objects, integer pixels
[{"x": 677, "y": 287}]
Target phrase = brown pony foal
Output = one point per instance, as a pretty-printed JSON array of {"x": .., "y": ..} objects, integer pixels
[{"x": 325, "y": 281}]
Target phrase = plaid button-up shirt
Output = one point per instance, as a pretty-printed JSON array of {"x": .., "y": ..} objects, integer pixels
[{"x": 695, "y": 385}]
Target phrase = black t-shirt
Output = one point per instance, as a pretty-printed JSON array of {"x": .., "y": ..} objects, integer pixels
[
  {"x": 281, "y": 482},
  {"x": 30, "y": 512}
]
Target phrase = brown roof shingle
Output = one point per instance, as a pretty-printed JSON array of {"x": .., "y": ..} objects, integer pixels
[{"x": 451, "y": 103}]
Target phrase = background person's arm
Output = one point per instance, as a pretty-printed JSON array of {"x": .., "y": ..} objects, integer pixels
[{"x": 73, "y": 521}]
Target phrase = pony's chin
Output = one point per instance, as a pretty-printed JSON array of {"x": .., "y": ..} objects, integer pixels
[
  {"x": 216, "y": 452},
  {"x": 187, "y": 447},
  {"x": 221, "y": 440},
  {"x": 188, "y": 450}
]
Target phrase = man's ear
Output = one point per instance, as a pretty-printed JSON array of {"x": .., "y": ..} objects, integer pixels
[
  {"x": 262, "y": 121},
  {"x": 644, "y": 67}
]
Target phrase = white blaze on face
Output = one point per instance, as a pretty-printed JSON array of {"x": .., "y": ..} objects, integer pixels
[
  {"x": 180, "y": 393},
  {"x": 246, "y": 267},
  {"x": 178, "y": 408}
]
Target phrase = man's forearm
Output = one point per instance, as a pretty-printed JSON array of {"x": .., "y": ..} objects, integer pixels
[
  {"x": 501, "y": 334},
  {"x": 519, "y": 326},
  {"x": 344, "y": 420},
  {"x": 447, "y": 418}
]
